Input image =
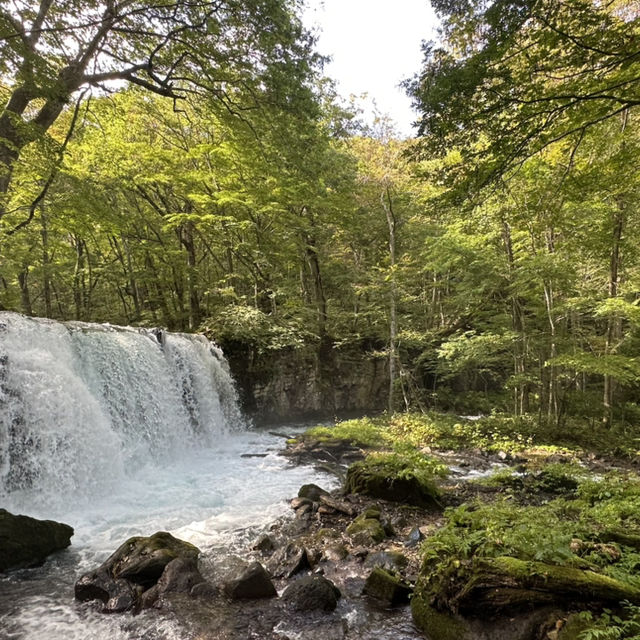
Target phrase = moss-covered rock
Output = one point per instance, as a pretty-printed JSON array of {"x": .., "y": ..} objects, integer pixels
[
  {"x": 26, "y": 542},
  {"x": 506, "y": 584},
  {"x": 395, "y": 479},
  {"x": 366, "y": 531},
  {"x": 134, "y": 567},
  {"x": 435, "y": 624},
  {"x": 387, "y": 587}
]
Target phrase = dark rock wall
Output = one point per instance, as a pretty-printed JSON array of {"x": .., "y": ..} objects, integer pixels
[{"x": 314, "y": 382}]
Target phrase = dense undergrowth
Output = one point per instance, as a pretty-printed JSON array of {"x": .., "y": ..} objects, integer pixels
[
  {"x": 492, "y": 433},
  {"x": 554, "y": 505}
]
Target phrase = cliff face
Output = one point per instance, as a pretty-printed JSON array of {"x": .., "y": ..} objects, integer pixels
[{"x": 315, "y": 382}]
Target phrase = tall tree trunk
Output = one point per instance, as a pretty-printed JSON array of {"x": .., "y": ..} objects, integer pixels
[
  {"x": 614, "y": 328},
  {"x": 387, "y": 205},
  {"x": 188, "y": 242},
  {"x": 46, "y": 263},
  {"x": 25, "y": 297}
]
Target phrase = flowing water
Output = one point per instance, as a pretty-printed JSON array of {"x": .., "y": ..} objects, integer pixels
[{"x": 120, "y": 432}]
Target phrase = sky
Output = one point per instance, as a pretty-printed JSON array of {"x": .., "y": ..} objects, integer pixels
[{"x": 374, "y": 45}]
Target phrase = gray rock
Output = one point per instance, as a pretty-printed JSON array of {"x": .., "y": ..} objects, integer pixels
[
  {"x": 135, "y": 567},
  {"x": 26, "y": 542},
  {"x": 415, "y": 537},
  {"x": 179, "y": 576},
  {"x": 312, "y": 593},
  {"x": 254, "y": 582},
  {"x": 312, "y": 492},
  {"x": 265, "y": 543},
  {"x": 387, "y": 560},
  {"x": 288, "y": 561}
]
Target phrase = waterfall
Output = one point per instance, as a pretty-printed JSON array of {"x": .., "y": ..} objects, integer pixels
[{"x": 82, "y": 405}]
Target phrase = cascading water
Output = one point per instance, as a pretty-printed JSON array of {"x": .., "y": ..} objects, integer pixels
[
  {"x": 81, "y": 403},
  {"x": 120, "y": 432}
]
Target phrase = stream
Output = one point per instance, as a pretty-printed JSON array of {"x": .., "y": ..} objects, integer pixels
[{"x": 214, "y": 498}]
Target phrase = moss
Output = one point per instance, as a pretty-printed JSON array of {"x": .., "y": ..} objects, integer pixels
[
  {"x": 505, "y": 583},
  {"x": 386, "y": 587},
  {"x": 364, "y": 432},
  {"x": 366, "y": 530},
  {"x": 436, "y": 625},
  {"x": 393, "y": 478}
]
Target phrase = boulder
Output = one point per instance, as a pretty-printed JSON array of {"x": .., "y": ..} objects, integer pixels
[
  {"x": 312, "y": 593},
  {"x": 387, "y": 560},
  {"x": 388, "y": 481},
  {"x": 366, "y": 529},
  {"x": 26, "y": 542},
  {"x": 179, "y": 576},
  {"x": 387, "y": 588},
  {"x": 136, "y": 566},
  {"x": 311, "y": 492},
  {"x": 289, "y": 560},
  {"x": 265, "y": 543},
  {"x": 253, "y": 583}
]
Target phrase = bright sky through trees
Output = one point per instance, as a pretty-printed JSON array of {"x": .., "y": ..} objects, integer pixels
[{"x": 374, "y": 45}]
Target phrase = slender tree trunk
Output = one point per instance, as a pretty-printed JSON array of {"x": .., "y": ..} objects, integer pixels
[
  {"x": 613, "y": 323},
  {"x": 46, "y": 263},
  {"x": 188, "y": 242},
  {"x": 78, "y": 278},
  {"x": 25, "y": 297},
  {"x": 387, "y": 205}
]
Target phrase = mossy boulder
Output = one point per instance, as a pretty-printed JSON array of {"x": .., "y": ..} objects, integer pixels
[
  {"x": 136, "y": 566},
  {"x": 438, "y": 625},
  {"x": 392, "y": 479},
  {"x": 367, "y": 530},
  {"x": 26, "y": 541},
  {"x": 387, "y": 587}
]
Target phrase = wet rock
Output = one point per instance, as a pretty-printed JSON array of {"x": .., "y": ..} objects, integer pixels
[
  {"x": 326, "y": 511},
  {"x": 288, "y": 561},
  {"x": 253, "y": 583},
  {"x": 312, "y": 492},
  {"x": 265, "y": 543},
  {"x": 386, "y": 587},
  {"x": 304, "y": 511},
  {"x": 296, "y": 503},
  {"x": 312, "y": 593},
  {"x": 26, "y": 542},
  {"x": 337, "y": 505},
  {"x": 133, "y": 568},
  {"x": 387, "y": 560},
  {"x": 335, "y": 553},
  {"x": 179, "y": 576}
]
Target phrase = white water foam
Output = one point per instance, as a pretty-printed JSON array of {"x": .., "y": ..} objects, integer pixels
[
  {"x": 119, "y": 434},
  {"x": 81, "y": 405}
]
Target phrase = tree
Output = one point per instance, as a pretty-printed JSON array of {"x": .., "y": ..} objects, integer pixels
[
  {"x": 514, "y": 76},
  {"x": 49, "y": 50}
]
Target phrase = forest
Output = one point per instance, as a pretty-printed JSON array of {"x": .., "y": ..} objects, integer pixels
[
  {"x": 187, "y": 167},
  {"x": 219, "y": 184}
]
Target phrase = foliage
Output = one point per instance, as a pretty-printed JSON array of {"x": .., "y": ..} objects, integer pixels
[
  {"x": 611, "y": 626},
  {"x": 364, "y": 432}
]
